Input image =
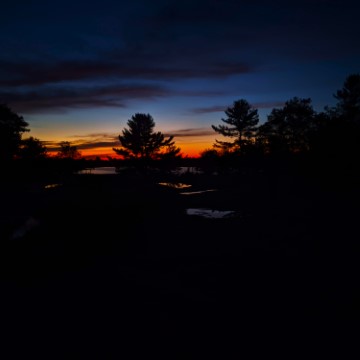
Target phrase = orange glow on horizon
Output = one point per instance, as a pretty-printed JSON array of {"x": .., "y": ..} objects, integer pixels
[
  {"x": 189, "y": 148},
  {"x": 104, "y": 153}
]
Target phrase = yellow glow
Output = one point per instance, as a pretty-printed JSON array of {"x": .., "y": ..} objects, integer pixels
[
  {"x": 175, "y": 185},
  {"x": 190, "y": 146},
  {"x": 52, "y": 186}
]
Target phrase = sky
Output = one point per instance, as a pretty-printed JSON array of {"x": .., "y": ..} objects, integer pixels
[{"x": 78, "y": 70}]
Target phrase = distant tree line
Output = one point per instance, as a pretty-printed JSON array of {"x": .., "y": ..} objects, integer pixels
[
  {"x": 13, "y": 146},
  {"x": 293, "y": 130}
]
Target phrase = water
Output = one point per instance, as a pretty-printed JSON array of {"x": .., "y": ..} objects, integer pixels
[
  {"x": 187, "y": 170},
  {"x": 197, "y": 192},
  {"x": 175, "y": 185},
  {"x": 103, "y": 170},
  {"x": 23, "y": 229},
  {"x": 52, "y": 186},
  {"x": 111, "y": 170},
  {"x": 210, "y": 213}
]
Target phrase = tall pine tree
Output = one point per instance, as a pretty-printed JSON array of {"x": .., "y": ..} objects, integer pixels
[
  {"x": 139, "y": 141},
  {"x": 241, "y": 122}
]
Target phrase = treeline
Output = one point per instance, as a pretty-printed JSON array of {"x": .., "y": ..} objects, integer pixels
[
  {"x": 296, "y": 127},
  {"x": 329, "y": 139}
]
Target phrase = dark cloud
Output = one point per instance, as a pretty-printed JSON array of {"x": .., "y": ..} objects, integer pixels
[
  {"x": 55, "y": 99},
  {"x": 96, "y": 140},
  {"x": 51, "y": 145},
  {"x": 87, "y": 142},
  {"x": 209, "y": 109},
  {"x": 59, "y": 99},
  {"x": 29, "y": 73},
  {"x": 102, "y": 135},
  {"x": 268, "y": 105},
  {"x": 164, "y": 42},
  {"x": 256, "y": 30},
  {"x": 191, "y": 132},
  {"x": 39, "y": 73},
  {"x": 96, "y": 144},
  {"x": 222, "y": 108}
]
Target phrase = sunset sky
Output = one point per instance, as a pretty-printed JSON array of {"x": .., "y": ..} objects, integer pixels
[{"x": 78, "y": 70}]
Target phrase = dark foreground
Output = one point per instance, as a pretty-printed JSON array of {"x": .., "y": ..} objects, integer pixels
[{"x": 112, "y": 267}]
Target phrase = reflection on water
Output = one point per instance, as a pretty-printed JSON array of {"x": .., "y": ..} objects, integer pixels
[
  {"x": 175, "y": 185},
  {"x": 186, "y": 170},
  {"x": 196, "y": 192},
  {"x": 52, "y": 186},
  {"x": 103, "y": 170},
  {"x": 211, "y": 214},
  {"x": 27, "y": 226}
]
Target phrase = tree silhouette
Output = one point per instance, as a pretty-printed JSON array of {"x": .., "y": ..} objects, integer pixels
[
  {"x": 348, "y": 106},
  {"x": 289, "y": 129},
  {"x": 241, "y": 122},
  {"x": 340, "y": 135},
  {"x": 32, "y": 149},
  {"x": 68, "y": 151},
  {"x": 140, "y": 141},
  {"x": 12, "y": 126},
  {"x": 171, "y": 152}
]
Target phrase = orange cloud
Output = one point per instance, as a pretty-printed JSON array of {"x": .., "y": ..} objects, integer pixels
[{"x": 192, "y": 142}]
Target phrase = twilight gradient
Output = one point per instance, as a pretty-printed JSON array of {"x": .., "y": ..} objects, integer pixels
[{"x": 78, "y": 70}]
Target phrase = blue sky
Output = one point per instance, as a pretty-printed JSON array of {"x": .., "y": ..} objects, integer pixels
[{"x": 78, "y": 70}]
